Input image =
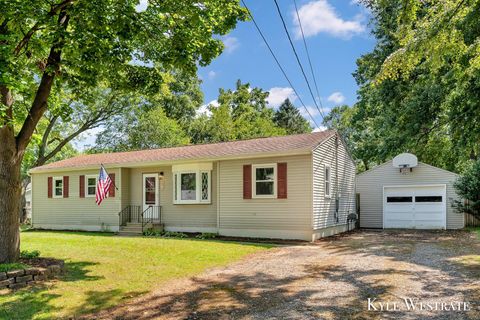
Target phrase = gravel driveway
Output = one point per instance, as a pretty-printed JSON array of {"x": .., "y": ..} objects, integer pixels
[{"x": 331, "y": 279}]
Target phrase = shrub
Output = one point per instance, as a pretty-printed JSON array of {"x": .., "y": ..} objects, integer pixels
[
  {"x": 173, "y": 234},
  {"x": 467, "y": 187},
  {"x": 5, "y": 267},
  {"x": 207, "y": 235},
  {"x": 25, "y": 254},
  {"x": 164, "y": 234},
  {"x": 152, "y": 233}
]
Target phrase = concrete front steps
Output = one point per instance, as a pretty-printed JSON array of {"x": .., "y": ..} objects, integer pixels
[{"x": 135, "y": 228}]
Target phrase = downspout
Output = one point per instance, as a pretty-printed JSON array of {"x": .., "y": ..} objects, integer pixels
[
  {"x": 337, "y": 199},
  {"x": 218, "y": 196}
]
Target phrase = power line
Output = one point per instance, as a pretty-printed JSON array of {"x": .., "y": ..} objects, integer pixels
[
  {"x": 298, "y": 59},
  {"x": 278, "y": 63},
  {"x": 308, "y": 55}
]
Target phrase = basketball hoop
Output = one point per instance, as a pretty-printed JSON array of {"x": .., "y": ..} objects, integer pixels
[
  {"x": 405, "y": 162},
  {"x": 405, "y": 170}
]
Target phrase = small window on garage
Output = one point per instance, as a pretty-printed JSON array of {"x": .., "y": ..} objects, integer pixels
[
  {"x": 327, "y": 181},
  {"x": 399, "y": 199},
  {"x": 428, "y": 199}
]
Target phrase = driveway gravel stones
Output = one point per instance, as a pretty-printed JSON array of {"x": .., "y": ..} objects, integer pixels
[{"x": 330, "y": 279}]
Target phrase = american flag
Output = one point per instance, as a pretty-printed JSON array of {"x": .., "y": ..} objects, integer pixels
[{"x": 103, "y": 186}]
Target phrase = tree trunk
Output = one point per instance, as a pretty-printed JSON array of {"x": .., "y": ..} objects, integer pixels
[{"x": 10, "y": 192}]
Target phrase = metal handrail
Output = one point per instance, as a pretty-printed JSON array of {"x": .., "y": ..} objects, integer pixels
[
  {"x": 130, "y": 213},
  {"x": 151, "y": 214}
]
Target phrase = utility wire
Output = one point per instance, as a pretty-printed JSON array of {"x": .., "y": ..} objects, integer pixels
[
  {"x": 298, "y": 59},
  {"x": 278, "y": 63},
  {"x": 308, "y": 56}
]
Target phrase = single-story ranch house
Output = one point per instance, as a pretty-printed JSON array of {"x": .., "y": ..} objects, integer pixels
[
  {"x": 291, "y": 187},
  {"x": 408, "y": 194}
]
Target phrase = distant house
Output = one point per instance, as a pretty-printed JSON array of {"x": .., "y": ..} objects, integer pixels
[
  {"x": 28, "y": 201},
  {"x": 407, "y": 194},
  {"x": 291, "y": 187}
]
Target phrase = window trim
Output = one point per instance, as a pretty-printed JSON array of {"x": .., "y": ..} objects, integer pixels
[
  {"x": 329, "y": 181},
  {"x": 177, "y": 187},
  {"x": 54, "y": 187},
  {"x": 254, "y": 181},
  {"x": 90, "y": 176}
]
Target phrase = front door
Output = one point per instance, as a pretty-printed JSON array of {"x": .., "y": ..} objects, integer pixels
[{"x": 150, "y": 190}]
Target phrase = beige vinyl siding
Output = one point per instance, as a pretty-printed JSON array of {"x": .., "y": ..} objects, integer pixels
[
  {"x": 324, "y": 207},
  {"x": 125, "y": 185},
  {"x": 73, "y": 213},
  {"x": 182, "y": 217},
  {"x": 370, "y": 187},
  {"x": 275, "y": 218}
]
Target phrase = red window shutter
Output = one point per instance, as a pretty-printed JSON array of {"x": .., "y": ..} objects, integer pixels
[
  {"x": 247, "y": 181},
  {"x": 282, "y": 180},
  {"x": 50, "y": 186},
  {"x": 82, "y": 186},
  {"x": 111, "y": 192},
  {"x": 65, "y": 186}
]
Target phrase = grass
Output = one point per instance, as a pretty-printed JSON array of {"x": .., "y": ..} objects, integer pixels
[
  {"x": 4, "y": 267},
  {"x": 475, "y": 230},
  {"x": 103, "y": 270}
]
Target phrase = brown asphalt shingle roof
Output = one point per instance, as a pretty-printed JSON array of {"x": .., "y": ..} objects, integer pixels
[{"x": 292, "y": 143}]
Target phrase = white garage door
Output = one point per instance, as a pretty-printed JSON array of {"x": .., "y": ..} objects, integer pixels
[{"x": 415, "y": 207}]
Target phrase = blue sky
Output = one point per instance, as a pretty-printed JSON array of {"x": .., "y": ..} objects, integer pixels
[{"x": 336, "y": 32}]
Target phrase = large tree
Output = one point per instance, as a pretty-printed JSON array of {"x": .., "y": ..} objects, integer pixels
[
  {"x": 162, "y": 119},
  {"x": 242, "y": 113},
  {"x": 78, "y": 44},
  {"x": 418, "y": 88},
  {"x": 289, "y": 117}
]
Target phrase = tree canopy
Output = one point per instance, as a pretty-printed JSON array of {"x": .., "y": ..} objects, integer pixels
[
  {"x": 418, "y": 89},
  {"x": 244, "y": 113},
  {"x": 76, "y": 46}
]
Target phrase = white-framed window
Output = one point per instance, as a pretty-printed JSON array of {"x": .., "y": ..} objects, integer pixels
[
  {"x": 192, "y": 186},
  {"x": 328, "y": 184},
  {"x": 58, "y": 187},
  {"x": 264, "y": 180},
  {"x": 90, "y": 185}
]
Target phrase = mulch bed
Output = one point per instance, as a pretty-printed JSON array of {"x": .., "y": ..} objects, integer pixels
[{"x": 41, "y": 262}]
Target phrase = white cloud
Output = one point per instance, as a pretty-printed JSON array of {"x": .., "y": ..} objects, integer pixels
[
  {"x": 319, "y": 16},
  {"x": 277, "y": 95},
  {"x": 204, "y": 108},
  {"x": 336, "y": 97},
  {"x": 211, "y": 74},
  {"x": 141, "y": 6},
  {"x": 231, "y": 44},
  {"x": 321, "y": 128}
]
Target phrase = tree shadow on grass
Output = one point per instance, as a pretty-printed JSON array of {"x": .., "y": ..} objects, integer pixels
[
  {"x": 99, "y": 300},
  {"x": 28, "y": 302},
  {"x": 75, "y": 271}
]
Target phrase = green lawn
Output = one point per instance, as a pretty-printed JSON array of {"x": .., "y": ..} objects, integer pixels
[{"x": 104, "y": 269}]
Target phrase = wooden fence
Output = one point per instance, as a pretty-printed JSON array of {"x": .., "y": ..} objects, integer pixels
[{"x": 471, "y": 220}]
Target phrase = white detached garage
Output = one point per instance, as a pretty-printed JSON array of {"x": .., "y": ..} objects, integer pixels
[{"x": 406, "y": 194}]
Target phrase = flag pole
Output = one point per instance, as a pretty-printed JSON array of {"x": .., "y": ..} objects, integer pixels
[{"x": 107, "y": 173}]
